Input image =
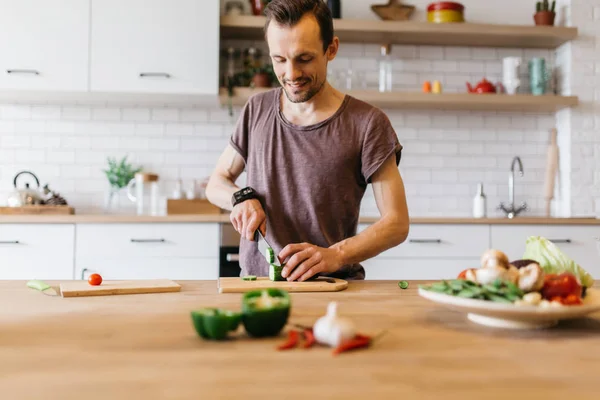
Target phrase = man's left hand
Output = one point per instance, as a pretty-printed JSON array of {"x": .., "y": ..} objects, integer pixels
[{"x": 307, "y": 260}]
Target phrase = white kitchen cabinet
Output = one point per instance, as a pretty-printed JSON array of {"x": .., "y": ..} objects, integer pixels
[
  {"x": 155, "y": 46},
  {"x": 431, "y": 251},
  {"x": 416, "y": 268},
  {"x": 148, "y": 251},
  {"x": 577, "y": 242},
  {"x": 44, "y": 45},
  {"x": 36, "y": 251}
]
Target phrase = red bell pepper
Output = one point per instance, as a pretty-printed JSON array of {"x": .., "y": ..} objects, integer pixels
[{"x": 561, "y": 285}]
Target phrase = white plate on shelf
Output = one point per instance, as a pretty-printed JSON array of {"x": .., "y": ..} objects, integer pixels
[{"x": 501, "y": 315}]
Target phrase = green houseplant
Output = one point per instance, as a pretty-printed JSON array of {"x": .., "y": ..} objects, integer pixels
[
  {"x": 545, "y": 13},
  {"x": 119, "y": 174}
]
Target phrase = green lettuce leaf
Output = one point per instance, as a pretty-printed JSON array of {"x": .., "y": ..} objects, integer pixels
[{"x": 553, "y": 260}]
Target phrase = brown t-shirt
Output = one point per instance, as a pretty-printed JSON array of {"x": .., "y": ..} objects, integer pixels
[{"x": 310, "y": 179}]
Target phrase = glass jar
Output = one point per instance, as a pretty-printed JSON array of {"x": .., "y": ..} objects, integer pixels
[
  {"x": 385, "y": 69},
  {"x": 146, "y": 195}
]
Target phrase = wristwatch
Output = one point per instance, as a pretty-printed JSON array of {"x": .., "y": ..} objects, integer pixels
[{"x": 246, "y": 193}]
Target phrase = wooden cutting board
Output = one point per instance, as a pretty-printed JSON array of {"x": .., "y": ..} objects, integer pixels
[
  {"x": 83, "y": 288},
  {"x": 321, "y": 284}
]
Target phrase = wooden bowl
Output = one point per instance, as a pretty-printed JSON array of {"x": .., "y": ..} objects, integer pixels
[{"x": 393, "y": 11}]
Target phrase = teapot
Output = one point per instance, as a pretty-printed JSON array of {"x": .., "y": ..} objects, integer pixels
[
  {"x": 484, "y": 86},
  {"x": 25, "y": 196}
]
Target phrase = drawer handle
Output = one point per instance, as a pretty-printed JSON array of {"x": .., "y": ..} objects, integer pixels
[
  {"x": 9, "y": 242},
  {"x": 22, "y": 71},
  {"x": 154, "y": 74},
  {"x": 425, "y": 240},
  {"x": 148, "y": 240},
  {"x": 560, "y": 240},
  {"x": 233, "y": 257}
]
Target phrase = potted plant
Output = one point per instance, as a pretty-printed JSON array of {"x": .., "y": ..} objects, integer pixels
[
  {"x": 119, "y": 173},
  {"x": 545, "y": 13},
  {"x": 263, "y": 76}
]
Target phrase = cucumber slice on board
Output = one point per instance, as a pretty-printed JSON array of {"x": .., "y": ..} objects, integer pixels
[
  {"x": 270, "y": 255},
  {"x": 249, "y": 278},
  {"x": 275, "y": 272}
]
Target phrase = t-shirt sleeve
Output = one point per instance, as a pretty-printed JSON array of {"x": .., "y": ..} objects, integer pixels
[
  {"x": 379, "y": 143},
  {"x": 240, "y": 138}
]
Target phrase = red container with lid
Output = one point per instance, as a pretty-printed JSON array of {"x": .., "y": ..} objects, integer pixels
[
  {"x": 445, "y": 11},
  {"x": 446, "y": 5}
]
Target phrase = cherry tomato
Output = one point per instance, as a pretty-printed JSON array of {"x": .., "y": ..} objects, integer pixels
[
  {"x": 95, "y": 280},
  {"x": 463, "y": 274},
  {"x": 561, "y": 285}
]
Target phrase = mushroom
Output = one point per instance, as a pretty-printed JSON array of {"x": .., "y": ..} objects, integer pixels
[
  {"x": 489, "y": 275},
  {"x": 531, "y": 278},
  {"x": 494, "y": 258}
]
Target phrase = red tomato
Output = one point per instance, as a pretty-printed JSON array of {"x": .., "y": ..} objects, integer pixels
[
  {"x": 463, "y": 274},
  {"x": 95, "y": 280},
  {"x": 561, "y": 285}
]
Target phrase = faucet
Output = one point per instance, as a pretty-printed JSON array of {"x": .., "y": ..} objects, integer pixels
[{"x": 510, "y": 210}]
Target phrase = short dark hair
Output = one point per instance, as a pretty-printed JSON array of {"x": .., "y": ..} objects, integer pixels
[{"x": 289, "y": 12}]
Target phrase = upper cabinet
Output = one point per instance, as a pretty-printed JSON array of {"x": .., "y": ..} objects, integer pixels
[
  {"x": 44, "y": 45},
  {"x": 155, "y": 46}
]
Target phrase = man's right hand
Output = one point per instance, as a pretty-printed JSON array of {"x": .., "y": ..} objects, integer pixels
[{"x": 247, "y": 217}]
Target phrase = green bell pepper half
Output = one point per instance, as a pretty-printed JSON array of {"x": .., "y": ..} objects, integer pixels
[
  {"x": 214, "y": 323},
  {"x": 265, "y": 311}
]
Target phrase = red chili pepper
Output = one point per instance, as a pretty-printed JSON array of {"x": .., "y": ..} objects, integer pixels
[
  {"x": 359, "y": 341},
  {"x": 291, "y": 342},
  {"x": 309, "y": 338}
]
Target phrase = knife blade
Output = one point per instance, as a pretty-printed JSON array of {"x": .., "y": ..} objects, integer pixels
[{"x": 263, "y": 245}]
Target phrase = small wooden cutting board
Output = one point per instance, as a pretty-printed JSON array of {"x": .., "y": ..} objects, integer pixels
[
  {"x": 83, "y": 288},
  {"x": 321, "y": 284}
]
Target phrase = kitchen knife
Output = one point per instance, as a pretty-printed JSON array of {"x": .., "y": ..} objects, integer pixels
[
  {"x": 263, "y": 245},
  {"x": 42, "y": 287}
]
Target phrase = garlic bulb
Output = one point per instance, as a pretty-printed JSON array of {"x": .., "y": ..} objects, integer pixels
[{"x": 332, "y": 330}]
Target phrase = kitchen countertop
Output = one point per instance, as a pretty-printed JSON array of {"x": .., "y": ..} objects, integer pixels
[
  {"x": 224, "y": 218},
  {"x": 144, "y": 346}
]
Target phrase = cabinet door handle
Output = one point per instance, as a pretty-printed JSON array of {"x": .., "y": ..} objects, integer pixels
[
  {"x": 233, "y": 257},
  {"x": 154, "y": 74},
  {"x": 9, "y": 242},
  {"x": 560, "y": 240},
  {"x": 148, "y": 240},
  {"x": 425, "y": 240},
  {"x": 22, "y": 71}
]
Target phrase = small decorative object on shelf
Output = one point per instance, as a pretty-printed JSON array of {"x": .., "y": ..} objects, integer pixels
[
  {"x": 538, "y": 76},
  {"x": 510, "y": 74},
  {"x": 484, "y": 86},
  {"x": 53, "y": 198},
  {"x": 258, "y": 6},
  {"x": 445, "y": 11},
  {"x": 437, "y": 87},
  {"x": 426, "y": 87},
  {"x": 335, "y": 7},
  {"x": 234, "y": 8},
  {"x": 545, "y": 13},
  {"x": 393, "y": 11}
]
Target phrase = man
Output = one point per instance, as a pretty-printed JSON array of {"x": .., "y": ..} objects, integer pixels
[{"x": 309, "y": 152}]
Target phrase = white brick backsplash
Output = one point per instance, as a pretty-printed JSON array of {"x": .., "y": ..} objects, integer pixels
[
  {"x": 106, "y": 114},
  {"x": 11, "y": 141},
  {"x": 45, "y": 112},
  {"x": 15, "y": 111},
  {"x": 179, "y": 129},
  {"x": 45, "y": 142},
  {"x": 164, "y": 144},
  {"x": 30, "y": 156},
  {"x": 470, "y": 121},
  {"x": 76, "y": 142},
  {"x": 445, "y": 121},
  {"x": 135, "y": 114},
  {"x": 105, "y": 142},
  {"x": 95, "y": 157},
  {"x": 73, "y": 172},
  {"x": 76, "y": 113},
  {"x": 444, "y": 176},
  {"x": 417, "y": 65},
  {"x": 444, "y": 148},
  {"x": 471, "y": 67},
  {"x": 60, "y": 127},
  {"x": 431, "y": 52},
  {"x": 414, "y": 175},
  {"x": 416, "y": 147},
  {"x": 134, "y": 143},
  {"x": 149, "y": 129},
  {"x": 482, "y": 53},
  {"x": 61, "y": 156},
  {"x": 457, "y": 53},
  {"x": 165, "y": 114},
  {"x": 470, "y": 148},
  {"x": 193, "y": 115},
  {"x": 198, "y": 173}
]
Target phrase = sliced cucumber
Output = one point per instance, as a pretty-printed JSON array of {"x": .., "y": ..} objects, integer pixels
[
  {"x": 275, "y": 272},
  {"x": 249, "y": 278},
  {"x": 270, "y": 255}
]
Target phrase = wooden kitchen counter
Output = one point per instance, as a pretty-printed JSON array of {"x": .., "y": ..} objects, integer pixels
[
  {"x": 224, "y": 218},
  {"x": 144, "y": 347}
]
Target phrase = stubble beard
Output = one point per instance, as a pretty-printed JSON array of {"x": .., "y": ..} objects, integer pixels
[{"x": 303, "y": 97}]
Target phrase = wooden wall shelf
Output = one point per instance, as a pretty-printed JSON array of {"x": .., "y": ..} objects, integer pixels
[
  {"x": 419, "y": 33},
  {"x": 444, "y": 101}
]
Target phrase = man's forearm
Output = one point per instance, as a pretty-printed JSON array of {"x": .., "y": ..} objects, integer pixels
[
  {"x": 386, "y": 233},
  {"x": 220, "y": 190}
]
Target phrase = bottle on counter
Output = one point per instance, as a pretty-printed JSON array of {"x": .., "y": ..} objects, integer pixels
[{"x": 479, "y": 203}]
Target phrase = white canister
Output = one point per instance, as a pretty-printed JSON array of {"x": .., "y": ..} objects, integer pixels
[{"x": 510, "y": 74}]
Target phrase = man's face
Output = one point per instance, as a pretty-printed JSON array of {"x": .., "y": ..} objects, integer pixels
[{"x": 298, "y": 58}]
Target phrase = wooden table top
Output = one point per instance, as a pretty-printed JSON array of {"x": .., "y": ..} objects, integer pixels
[{"x": 144, "y": 347}]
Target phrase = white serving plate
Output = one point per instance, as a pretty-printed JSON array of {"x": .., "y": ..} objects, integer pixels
[{"x": 500, "y": 315}]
